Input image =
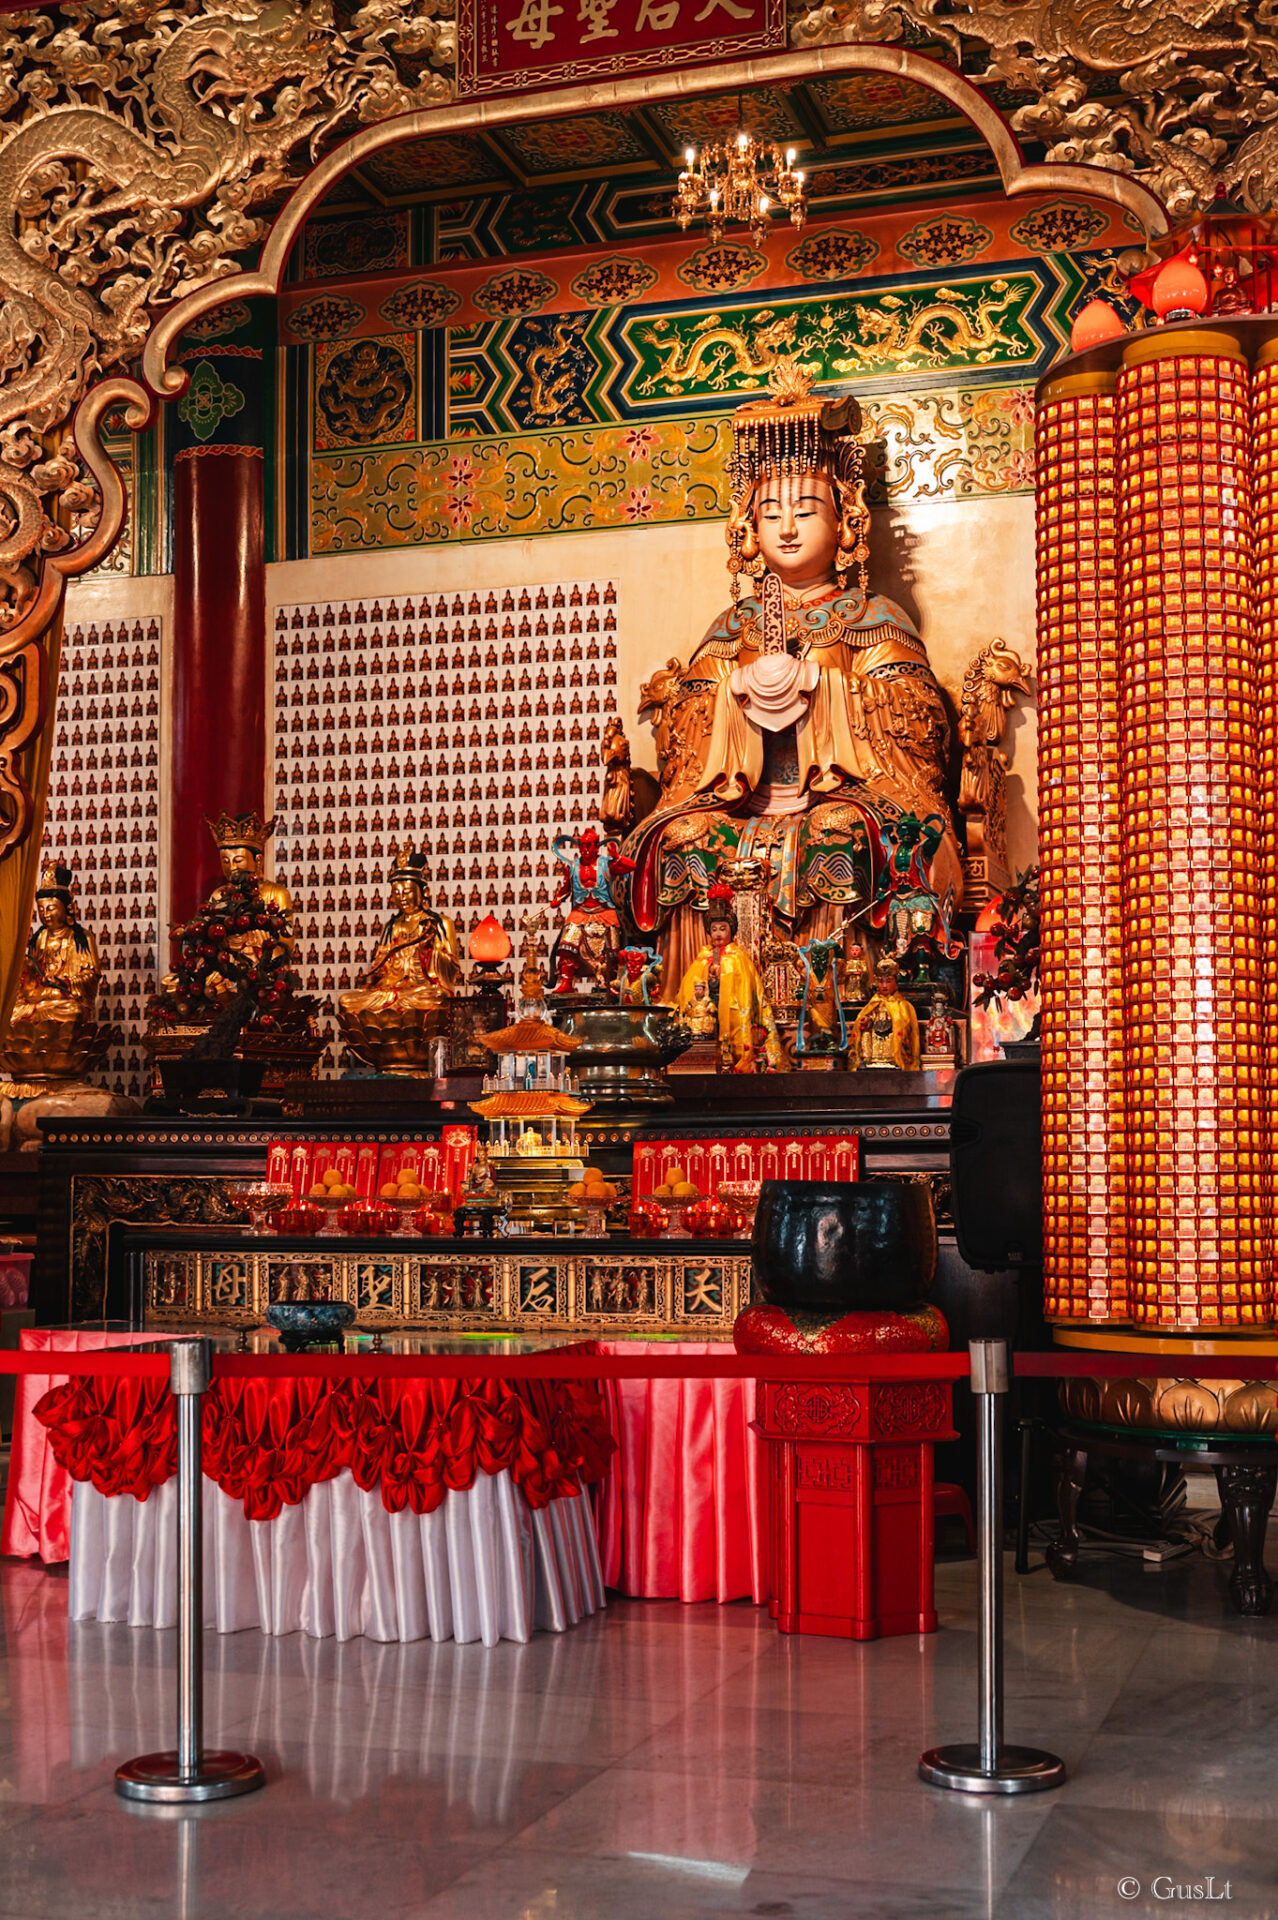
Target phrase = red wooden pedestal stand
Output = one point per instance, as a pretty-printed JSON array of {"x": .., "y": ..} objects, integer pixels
[{"x": 850, "y": 1485}]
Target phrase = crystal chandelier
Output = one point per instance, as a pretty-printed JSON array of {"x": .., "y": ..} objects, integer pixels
[{"x": 739, "y": 180}]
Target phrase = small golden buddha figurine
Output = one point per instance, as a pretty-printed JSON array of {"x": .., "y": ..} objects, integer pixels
[
  {"x": 53, "y": 1033},
  {"x": 886, "y": 1031},
  {"x": 400, "y": 1007},
  {"x": 722, "y": 991}
]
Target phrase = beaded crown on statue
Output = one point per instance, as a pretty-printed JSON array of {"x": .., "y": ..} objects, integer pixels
[{"x": 795, "y": 431}]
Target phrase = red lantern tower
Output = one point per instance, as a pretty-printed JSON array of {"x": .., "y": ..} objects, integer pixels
[{"x": 1159, "y": 803}]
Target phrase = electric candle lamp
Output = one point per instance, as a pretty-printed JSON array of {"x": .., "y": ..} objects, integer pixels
[
  {"x": 1093, "y": 324},
  {"x": 1179, "y": 291},
  {"x": 489, "y": 943}
]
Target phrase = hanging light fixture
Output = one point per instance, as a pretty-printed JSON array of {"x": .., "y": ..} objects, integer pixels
[{"x": 739, "y": 181}]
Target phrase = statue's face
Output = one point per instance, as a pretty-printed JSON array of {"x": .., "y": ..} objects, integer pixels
[
  {"x": 885, "y": 980},
  {"x": 51, "y": 911},
  {"x": 237, "y": 860},
  {"x": 798, "y": 527},
  {"x": 405, "y": 895},
  {"x": 720, "y": 934}
]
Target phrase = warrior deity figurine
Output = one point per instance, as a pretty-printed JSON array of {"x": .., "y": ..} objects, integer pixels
[
  {"x": 723, "y": 985},
  {"x": 398, "y": 1008},
  {"x": 808, "y": 720},
  {"x": 590, "y": 939},
  {"x": 886, "y": 1031}
]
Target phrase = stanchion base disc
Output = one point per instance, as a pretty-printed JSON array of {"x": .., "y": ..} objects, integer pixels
[
  {"x": 1019, "y": 1769},
  {"x": 155, "y": 1776}
]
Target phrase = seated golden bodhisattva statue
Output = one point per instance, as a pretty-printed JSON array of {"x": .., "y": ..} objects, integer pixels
[
  {"x": 53, "y": 1030},
  {"x": 400, "y": 1008},
  {"x": 241, "y": 843}
]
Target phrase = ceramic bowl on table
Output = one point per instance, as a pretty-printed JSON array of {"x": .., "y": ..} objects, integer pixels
[
  {"x": 260, "y": 1199},
  {"x": 306, "y": 1323}
]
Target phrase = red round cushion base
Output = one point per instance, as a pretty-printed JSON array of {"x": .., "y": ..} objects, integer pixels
[{"x": 919, "y": 1329}]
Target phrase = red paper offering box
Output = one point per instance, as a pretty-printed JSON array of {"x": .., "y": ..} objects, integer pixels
[
  {"x": 440, "y": 1165},
  {"x": 708, "y": 1163}
]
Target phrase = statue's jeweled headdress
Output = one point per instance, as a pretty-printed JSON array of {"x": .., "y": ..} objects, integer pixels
[
  {"x": 240, "y": 830},
  {"x": 795, "y": 431},
  {"x": 55, "y": 882},
  {"x": 409, "y": 865}
]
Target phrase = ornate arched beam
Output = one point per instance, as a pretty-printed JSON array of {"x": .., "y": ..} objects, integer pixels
[{"x": 1017, "y": 177}]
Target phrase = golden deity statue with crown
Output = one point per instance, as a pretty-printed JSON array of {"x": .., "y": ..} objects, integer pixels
[
  {"x": 807, "y": 730},
  {"x": 53, "y": 1033},
  {"x": 393, "y": 1017}
]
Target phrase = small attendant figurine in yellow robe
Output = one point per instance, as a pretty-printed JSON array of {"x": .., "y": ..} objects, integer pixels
[
  {"x": 886, "y": 1031},
  {"x": 724, "y": 974}
]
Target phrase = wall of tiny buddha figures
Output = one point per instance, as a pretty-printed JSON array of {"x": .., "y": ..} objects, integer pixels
[{"x": 454, "y": 427}]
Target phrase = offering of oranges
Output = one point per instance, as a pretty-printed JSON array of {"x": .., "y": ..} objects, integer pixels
[
  {"x": 593, "y": 1190},
  {"x": 330, "y": 1188},
  {"x": 676, "y": 1186},
  {"x": 406, "y": 1190}
]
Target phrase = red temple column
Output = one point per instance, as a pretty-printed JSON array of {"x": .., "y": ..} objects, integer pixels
[{"x": 219, "y": 620}]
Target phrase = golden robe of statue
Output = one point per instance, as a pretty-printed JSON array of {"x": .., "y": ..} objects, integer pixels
[{"x": 808, "y": 728}]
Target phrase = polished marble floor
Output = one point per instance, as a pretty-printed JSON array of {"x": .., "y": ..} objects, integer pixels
[{"x": 658, "y": 1762}]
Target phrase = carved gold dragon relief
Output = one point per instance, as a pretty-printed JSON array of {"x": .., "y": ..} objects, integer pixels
[
  {"x": 929, "y": 331},
  {"x": 900, "y": 333},
  {"x": 1182, "y": 92},
  {"x": 717, "y": 350},
  {"x": 138, "y": 142}
]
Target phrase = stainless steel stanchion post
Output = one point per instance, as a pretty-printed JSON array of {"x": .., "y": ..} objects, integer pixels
[
  {"x": 191, "y": 1773},
  {"x": 986, "y": 1765}
]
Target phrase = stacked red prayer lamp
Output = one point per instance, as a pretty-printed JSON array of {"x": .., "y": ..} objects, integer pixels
[{"x": 1158, "y": 535}]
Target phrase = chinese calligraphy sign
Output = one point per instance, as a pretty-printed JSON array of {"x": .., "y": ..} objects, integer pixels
[{"x": 512, "y": 46}]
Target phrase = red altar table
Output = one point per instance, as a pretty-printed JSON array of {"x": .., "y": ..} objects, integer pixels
[{"x": 390, "y": 1507}]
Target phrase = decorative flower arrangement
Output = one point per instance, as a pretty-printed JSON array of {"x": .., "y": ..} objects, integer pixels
[
  {"x": 210, "y": 971},
  {"x": 1013, "y": 919}
]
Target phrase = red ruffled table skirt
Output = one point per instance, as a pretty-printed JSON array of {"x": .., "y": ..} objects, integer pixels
[{"x": 267, "y": 1442}]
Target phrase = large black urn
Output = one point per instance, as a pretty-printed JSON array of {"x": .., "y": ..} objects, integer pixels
[{"x": 844, "y": 1246}]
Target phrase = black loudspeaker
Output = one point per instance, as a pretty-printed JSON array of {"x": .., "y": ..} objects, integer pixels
[{"x": 996, "y": 1164}]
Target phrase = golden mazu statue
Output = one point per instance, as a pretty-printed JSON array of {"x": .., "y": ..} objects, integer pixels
[
  {"x": 53, "y": 1031},
  {"x": 393, "y": 1018},
  {"x": 808, "y": 728},
  {"x": 886, "y": 1031}
]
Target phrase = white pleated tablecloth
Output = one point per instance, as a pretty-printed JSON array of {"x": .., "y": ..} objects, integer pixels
[{"x": 483, "y": 1566}]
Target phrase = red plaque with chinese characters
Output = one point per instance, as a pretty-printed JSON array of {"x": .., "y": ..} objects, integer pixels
[{"x": 516, "y": 46}]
